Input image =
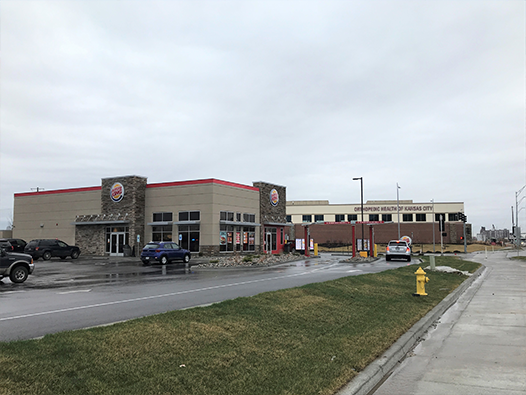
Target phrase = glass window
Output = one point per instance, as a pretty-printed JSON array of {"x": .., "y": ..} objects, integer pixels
[
  {"x": 238, "y": 217},
  {"x": 249, "y": 217},
  {"x": 189, "y": 237},
  {"x": 189, "y": 215},
  {"x": 453, "y": 217},
  {"x": 307, "y": 218},
  {"x": 420, "y": 217},
  {"x": 226, "y": 216},
  {"x": 162, "y": 217},
  {"x": 352, "y": 217},
  {"x": 226, "y": 238},
  {"x": 387, "y": 217},
  {"x": 162, "y": 233},
  {"x": 318, "y": 218},
  {"x": 339, "y": 217},
  {"x": 437, "y": 217},
  {"x": 249, "y": 238},
  {"x": 289, "y": 218},
  {"x": 374, "y": 217},
  {"x": 407, "y": 217}
]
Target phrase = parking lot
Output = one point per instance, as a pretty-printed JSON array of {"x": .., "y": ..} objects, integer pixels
[{"x": 84, "y": 271}]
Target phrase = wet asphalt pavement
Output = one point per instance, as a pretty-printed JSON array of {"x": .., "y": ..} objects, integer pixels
[{"x": 73, "y": 294}]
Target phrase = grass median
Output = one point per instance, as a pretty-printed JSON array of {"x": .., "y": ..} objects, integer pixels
[{"x": 307, "y": 340}]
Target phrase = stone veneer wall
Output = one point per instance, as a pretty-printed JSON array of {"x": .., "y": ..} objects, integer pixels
[
  {"x": 209, "y": 250},
  {"x": 90, "y": 239},
  {"x": 133, "y": 204},
  {"x": 267, "y": 212}
]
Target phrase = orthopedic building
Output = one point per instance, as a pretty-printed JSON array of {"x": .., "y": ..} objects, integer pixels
[
  {"x": 331, "y": 223},
  {"x": 124, "y": 213}
]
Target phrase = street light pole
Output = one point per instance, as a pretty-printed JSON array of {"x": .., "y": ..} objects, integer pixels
[
  {"x": 517, "y": 231},
  {"x": 361, "y": 188},
  {"x": 433, "y": 201},
  {"x": 398, "y": 208}
]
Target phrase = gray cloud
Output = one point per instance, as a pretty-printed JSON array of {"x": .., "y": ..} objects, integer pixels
[{"x": 306, "y": 94}]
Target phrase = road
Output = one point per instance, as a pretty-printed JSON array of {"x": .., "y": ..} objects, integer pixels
[{"x": 69, "y": 295}]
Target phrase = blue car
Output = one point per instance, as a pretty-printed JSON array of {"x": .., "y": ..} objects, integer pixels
[{"x": 163, "y": 252}]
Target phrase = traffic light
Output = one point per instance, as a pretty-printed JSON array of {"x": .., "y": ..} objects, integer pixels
[
  {"x": 461, "y": 238},
  {"x": 462, "y": 217}
]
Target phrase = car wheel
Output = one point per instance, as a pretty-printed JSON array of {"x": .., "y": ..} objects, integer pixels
[
  {"x": 74, "y": 255},
  {"x": 46, "y": 256},
  {"x": 387, "y": 258},
  {"x": 408, "y": 259},
  {"x": 186, "y": 258},
  {"x": 164, "y": 260},
  {"x": 19, "y": 274}
]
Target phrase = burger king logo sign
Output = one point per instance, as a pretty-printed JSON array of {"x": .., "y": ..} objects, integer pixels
[
  {"x": 117, "y": 192},
  {"x": 274, "y": 197}
]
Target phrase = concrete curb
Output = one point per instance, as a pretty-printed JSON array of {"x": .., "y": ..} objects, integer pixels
[{"x": 375, "y": 372}]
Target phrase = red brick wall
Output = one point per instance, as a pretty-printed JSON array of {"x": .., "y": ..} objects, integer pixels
[{"x": 419, "y": 232}]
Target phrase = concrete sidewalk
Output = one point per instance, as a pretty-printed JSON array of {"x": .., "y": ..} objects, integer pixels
[{"x": 479, "y": 345}]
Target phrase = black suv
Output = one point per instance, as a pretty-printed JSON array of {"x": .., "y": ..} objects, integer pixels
[
  {"x": 6, "y": 245},
  {"x": 17, "y": 244},
  {"x": 47, "y": 248},
  {"x": 15, "y": 266}
]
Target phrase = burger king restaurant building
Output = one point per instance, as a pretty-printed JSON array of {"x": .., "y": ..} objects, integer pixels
[{"x": 121, "y": 215}]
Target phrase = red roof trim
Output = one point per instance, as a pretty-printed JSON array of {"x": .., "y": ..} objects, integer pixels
[
  {"x": 156, "y": 185},
  {"x": 72, "y": 190},
  {"x": 200, "y": 182}
]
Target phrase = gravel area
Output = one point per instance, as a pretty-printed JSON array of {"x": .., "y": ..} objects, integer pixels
[{"x": 237, "y": 260}]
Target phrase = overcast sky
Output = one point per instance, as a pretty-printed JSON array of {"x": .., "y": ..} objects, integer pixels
[{"x": 306, "y": 94}]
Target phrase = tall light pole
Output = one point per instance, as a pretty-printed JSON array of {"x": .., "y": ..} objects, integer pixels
[
  {"x": 361, "y": 187},
  {"x": 433, "y": 201},
  {"x": 517, "y": 229},
  {"x": 398, "y": 208}
]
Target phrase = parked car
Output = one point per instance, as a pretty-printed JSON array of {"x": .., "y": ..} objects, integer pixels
[
  {"x": 398, "y": 249},
  {"x": 48, "y": 248},
  {"x": 163, "y": 252},
  {"x": 16, "y": 266},
  {"x": 17, "y": 244},
  {"x": 6, "y": 245}
]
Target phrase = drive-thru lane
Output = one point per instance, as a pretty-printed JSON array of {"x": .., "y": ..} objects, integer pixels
[{"x": 28, "y": 313}]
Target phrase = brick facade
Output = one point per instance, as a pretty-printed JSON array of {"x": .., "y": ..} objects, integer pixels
[{"x": 341, "y": 234}]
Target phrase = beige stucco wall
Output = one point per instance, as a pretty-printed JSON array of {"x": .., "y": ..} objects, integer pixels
[
  {"x": 51, "y": 215},
  {"x": 209, "y": 199}
]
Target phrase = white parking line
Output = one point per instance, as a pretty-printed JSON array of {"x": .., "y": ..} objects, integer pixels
[{"x": 91, "y": 306}]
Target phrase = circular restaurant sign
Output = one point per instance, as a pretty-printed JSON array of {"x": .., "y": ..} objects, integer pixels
[
  {"x": 117, "y": 192},
  {"x": 407, "y": 239},
  {"x": 274, "y": 197}
]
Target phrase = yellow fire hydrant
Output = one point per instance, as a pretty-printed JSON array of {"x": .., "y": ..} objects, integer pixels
[{"x": 421, "y": 281}]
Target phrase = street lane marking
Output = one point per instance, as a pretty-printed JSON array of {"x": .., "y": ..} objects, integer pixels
[
  {"x": 91, "y": 306},
  {"x": 354, "y": 270},
  {"x": 74, "y": 292}
]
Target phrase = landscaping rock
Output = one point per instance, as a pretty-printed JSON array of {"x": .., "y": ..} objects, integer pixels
[{"x": 249, "y": 260}]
